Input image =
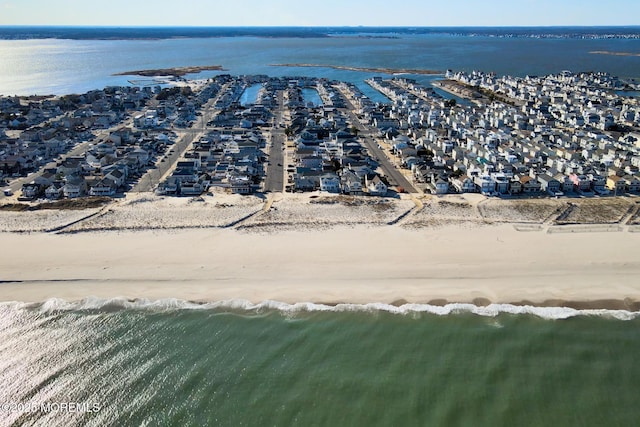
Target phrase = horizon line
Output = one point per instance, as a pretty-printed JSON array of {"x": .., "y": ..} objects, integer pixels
[{"x": 317, "y": 26}]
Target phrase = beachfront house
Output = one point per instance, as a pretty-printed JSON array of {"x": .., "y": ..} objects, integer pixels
[
  {"x": 116, "y": 176},
  {"x": 515, "y": 186},
  {"x": 54, "y": 191},
  {"x": 566, "y": 184},
  {"x": 75, "y": 186},
  {"x": 306, "y": 180},
  {"x": 485, "y": 184},
  {"x": 633, "y": 183},
  {"x": 550, "y": 185},
  {"x": 580, "y": 182},
  {"x": 351, "y": 183},
  {"x": 502, "y": 185},
  {"x": 32, "y": 190},
  {"x": 463, "y": 184},
  {"x": 330, "y": 183},
  {"x": 616, "y": 184},
  {"x": 375, "y": 186},
  {"x": 103, "y": 187},
  {"x": 170, "y": 186},
  {"x": 530, "y": 185},
  {"x": 441, "y": 186}
]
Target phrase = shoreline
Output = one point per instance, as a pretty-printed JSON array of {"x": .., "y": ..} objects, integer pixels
[
  {"x": 90, "y": 293},
  {"x": 320, "y": 248},
  {"x": 493, "y": 264},
  {"x": 553, "y": 308}
]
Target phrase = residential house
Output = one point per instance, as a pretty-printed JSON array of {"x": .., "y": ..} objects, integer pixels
[
  {"x": 71, "y": 166},
  {"x": 616, "y": 184},
  {"x": 32, "y": 190},
  {"x": 117, "y": 176},
  {"x": 441, "y": 186},
  {"x": 330, "y": 182},
  {"x": 566, "y": 184},
  {"x": 598, "y": 183},
  {"x": 103, "y": 187},
  {"x": 195, "y": 188},
  {"x": 515, "y": 186},
  {"x": 351, "y": 183},
  {"x": 485, "y": 184},
  {"x": 550, "y": 185},
  {"x": 633, "y": 183},
  {"x": 306, "y": 180},
  {"x": 580, "y": 182},
  {"x": 463, "y": 184},
  {"x": 375, "y": 186},
  {"x": 530, "y": 185},
  {"x": 75, "y": 186},
  {"x": 54, "y": 191},
  {"x": 170, "y": 186},
  {"x": 502, "y": 184}
]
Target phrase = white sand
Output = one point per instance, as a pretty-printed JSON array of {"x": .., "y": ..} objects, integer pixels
[{"x": 359, "y": 265}]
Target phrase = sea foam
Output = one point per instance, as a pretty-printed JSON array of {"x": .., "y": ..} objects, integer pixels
[{"x": 491, "y": 310}]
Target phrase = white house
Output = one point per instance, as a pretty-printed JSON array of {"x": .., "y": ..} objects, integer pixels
[
  {"x": 330, "y": 183},
  {"x": 375, "y": 186},
  {"x": 351, "y": 183},
  {"x": 104, "y": 187}
]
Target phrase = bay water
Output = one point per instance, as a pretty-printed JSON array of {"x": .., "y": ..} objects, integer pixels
[{"x": 62, "y": 66}]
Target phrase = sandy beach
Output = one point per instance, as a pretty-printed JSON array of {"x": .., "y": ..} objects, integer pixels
[{"x": 326, "y": 249}]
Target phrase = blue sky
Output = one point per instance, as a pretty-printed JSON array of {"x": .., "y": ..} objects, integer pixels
[{"x": 319, "y": 12}]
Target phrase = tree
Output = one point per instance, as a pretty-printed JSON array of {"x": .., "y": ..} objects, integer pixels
[{"x": 288, "y": 131}]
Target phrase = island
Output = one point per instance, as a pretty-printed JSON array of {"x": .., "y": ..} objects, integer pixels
[
  {"x": 307, "y": 190},
  {"x": 606, "y": 52},
  {"x": 365, "y": 69},
  {"x": 176, "y": 72}
]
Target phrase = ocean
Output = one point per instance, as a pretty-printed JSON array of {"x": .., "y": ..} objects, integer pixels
[{"x": 174, "y": 363}]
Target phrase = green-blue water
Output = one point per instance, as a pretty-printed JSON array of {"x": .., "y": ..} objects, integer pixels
[{"x": 163, "y": 365}]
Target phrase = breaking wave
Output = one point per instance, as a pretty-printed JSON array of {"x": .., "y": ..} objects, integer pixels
[{"x": 491, "y": 310}]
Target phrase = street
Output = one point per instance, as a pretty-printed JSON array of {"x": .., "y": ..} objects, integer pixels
[
  {"x": 150, "y": 180},
  {"x": 274, "y": 181},
  {"x": 395, "y": 176}
]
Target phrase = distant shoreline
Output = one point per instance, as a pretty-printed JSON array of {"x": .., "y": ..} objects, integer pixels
[
  {"x": 27, "y": 32},
  {"x": 175, "y": 72},
  {"x": 364, "y": 69}
]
